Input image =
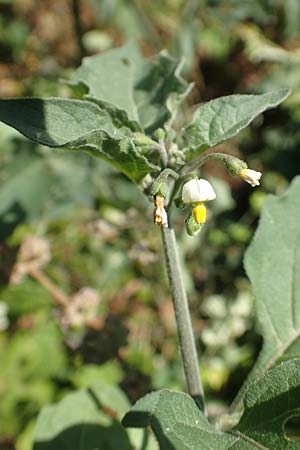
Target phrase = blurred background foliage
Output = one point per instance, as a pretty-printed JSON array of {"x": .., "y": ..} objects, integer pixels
[{"x": 72, "y": 228}]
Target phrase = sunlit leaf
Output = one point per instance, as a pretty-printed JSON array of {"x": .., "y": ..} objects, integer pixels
[
  {"x": 179, "y": 425},
  {"x": 224, "y": 117}
]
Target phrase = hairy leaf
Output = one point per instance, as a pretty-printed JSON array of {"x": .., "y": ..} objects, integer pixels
[
  {"x": 269, "y": 403},
  {"x": 177, "y": 422},
  {"x": 224, "y": 117},
  {"x": 273, "y": 265},
  {"x": 76, "y": 125},
  {"x": 179, "y": 425},
  {"x": 139, "y": 93}
]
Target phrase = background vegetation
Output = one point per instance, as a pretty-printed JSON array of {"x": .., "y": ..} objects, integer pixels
[{"x": 74, "y": 216}]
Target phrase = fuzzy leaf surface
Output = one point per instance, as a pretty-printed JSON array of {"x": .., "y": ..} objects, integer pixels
[
  {"x": 139, "y": 93},
  {"x": 224, "y": 117},
  {"x": 269, "y": 403},
  {"x": 76, "y": 125},
  {"x": 272, "y": 263},
  {"x": 179, "y": 425}
]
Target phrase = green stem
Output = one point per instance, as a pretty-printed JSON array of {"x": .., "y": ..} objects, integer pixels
[
  {"x": 78, "y": 28},
  {"x": 183, "y": 318},
  {"x": 197, "y": 162},
  {"x": 163, "y": 152}
]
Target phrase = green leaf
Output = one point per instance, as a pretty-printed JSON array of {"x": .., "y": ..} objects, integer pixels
[
  {"x": 224, "y": 117},
  {"x": 53, "y": 190},
  {"x": 176, "y": 421},
  {"x": 272, "y": 263},
  {"x": 109, "y": 78},
  {"x": 25, "y": 298},
  {"x": 86, "y": 420},
  {"x": 109, "y": 372},
  {"x": 138, "y": 93},
  {"x": 118, "y": 150},
  {"x": 55, "y": 121},
  {"x": 269, "y": 403},
  {"x": 76, "y": 125},
  {"x": 179, "y": 425}
]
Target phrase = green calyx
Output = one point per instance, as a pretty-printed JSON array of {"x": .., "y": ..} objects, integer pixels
[
  {"x": 160, "y": 185},
  {"x": 234, "y": 165}
]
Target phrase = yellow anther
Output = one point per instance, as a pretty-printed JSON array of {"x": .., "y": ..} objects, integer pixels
[{"x": 199, "y": 212}]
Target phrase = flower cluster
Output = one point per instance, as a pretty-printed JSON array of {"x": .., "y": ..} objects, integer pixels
[{"x": 197, "y": 192}]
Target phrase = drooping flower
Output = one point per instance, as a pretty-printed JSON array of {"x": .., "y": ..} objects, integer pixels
[
  {"x": 251, "y": 176},
  {"x": 196, "y": 193}
]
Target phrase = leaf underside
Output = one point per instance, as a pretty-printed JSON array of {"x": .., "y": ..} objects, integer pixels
[{"x": 77, "y": 125}]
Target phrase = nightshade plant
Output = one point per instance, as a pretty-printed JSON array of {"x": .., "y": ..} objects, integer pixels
[{"x": 125, "y": 112}]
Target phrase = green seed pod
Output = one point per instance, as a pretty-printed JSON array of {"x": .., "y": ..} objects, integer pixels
[{"x": 192, "y": 227}]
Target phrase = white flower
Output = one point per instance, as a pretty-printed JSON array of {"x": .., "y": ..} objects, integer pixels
[
  {"x": 251, "y": 176},
  {"x": 195, "y": 191}
]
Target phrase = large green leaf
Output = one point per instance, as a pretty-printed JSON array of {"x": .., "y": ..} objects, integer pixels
[
  {"x": 141, "y": 93},
  {"x": 179, "y": 425},
  {"x": 273, "y": 265},
  {"x": 224, "y": 117},
  {"x": 87, "y": 420},
  {"x": 76, "y": 125}
]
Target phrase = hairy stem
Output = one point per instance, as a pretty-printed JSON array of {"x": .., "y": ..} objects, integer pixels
[
  {"x": 183, "y": 318},
  {"x": 198, "y": 162}
]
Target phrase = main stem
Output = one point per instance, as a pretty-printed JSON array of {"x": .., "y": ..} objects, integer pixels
[
  {"x": 78, "y": 28},
  {"x": 183, "y": 318}
]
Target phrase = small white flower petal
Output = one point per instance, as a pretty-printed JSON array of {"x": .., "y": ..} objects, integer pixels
[
  {"x": 197, "y": 191},
  {"x": 251, "y": 176}
]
